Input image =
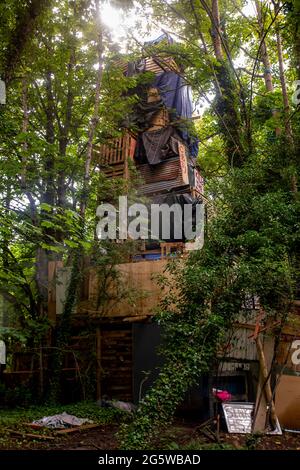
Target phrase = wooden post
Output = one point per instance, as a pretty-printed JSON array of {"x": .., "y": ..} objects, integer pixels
[
  {"x": 98, "y": 365},
  {"x": 41, "y": 372},
  {"x": 52, "y": 271}
]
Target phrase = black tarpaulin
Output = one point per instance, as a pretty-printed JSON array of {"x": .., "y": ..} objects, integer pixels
[
  {"x": 146, "y": 111},
  {"x": 160, "y": 145},
  {"x": 156, "y": 146},
  {"x": 177, "y": 217}
]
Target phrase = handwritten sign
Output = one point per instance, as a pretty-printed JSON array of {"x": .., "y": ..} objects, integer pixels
[
  {"x": 239, "y": 416},
  {"x": 183, "y": 163}
]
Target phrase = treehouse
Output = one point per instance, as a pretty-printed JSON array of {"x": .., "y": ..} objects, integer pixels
[{"x": 162, "y": 151}]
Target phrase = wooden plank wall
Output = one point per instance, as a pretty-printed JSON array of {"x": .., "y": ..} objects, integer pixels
[{"x": 116, "y": 363}]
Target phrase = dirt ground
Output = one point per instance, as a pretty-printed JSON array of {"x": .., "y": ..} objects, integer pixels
[{"x": 179, "y": 436}]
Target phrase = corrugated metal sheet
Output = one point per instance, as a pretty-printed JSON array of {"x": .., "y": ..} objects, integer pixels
[
  {"x": 162, "y": 187},
  {"x": 241, "y": 346},
  {"x": 156, "y": 65},
  {"x": 165, "y": 171},
  {"x": 233, "y": 366},
  {"x": 166, "y": 176}
]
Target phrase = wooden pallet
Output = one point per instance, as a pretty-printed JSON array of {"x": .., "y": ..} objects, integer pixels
[
  {"x": 113, "y": 157},
  {"x": 117, "y": 151}
]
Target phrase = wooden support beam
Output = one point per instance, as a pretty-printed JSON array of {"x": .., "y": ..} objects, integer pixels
[
  {"x": 43, "y": 437},
  {"x": 84, "y": 427}
]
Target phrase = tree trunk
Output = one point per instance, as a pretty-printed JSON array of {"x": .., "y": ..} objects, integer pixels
[
  {"x": 216, "y": 30},
  {"x": 265, "y": 380},
  {"x": 227, "y": 106},
  {"x": 266, "y": 60},
  {"x": 23, "y": 31},
  {"x": 285, "y": 99},
  {"x": 94, "y": 121},
  {"x": 48, "y": 197},
  {"x": 263, "y": 49},
  {"x": 64, "y": 328},
  {"x": 25, "y": 124},
  {"x": 64, "y": 131}
]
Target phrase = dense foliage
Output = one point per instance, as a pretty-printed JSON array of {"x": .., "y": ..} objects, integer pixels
[{"x": 250, "y": 157}]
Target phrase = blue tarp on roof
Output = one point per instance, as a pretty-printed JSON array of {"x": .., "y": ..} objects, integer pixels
[{"x": 177, "y": 96}]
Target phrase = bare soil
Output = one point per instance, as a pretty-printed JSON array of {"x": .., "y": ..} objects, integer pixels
[{"x": 183, "y": 436}]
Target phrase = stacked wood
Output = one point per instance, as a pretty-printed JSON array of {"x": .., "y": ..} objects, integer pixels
[
  {"x": 116, "y": 363},
  {"x": 113, "y": 157}
]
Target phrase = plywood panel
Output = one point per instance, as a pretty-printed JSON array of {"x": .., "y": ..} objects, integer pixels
[
  {"x": 287, "y": 402},
  {"x": 144, "y": 294}
]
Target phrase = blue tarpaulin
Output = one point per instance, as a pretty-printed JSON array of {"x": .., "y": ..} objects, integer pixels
[{"x": 177, "y": 96}]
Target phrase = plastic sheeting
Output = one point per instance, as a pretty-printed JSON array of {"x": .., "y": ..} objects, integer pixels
[
  {"x": 181, "y": 200},
  {"x": 61, "y": 421},
  {"x": 175, "y": 93},
  {"x": 177, "y": 96},
  {"x": 163, "y": 37}
]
